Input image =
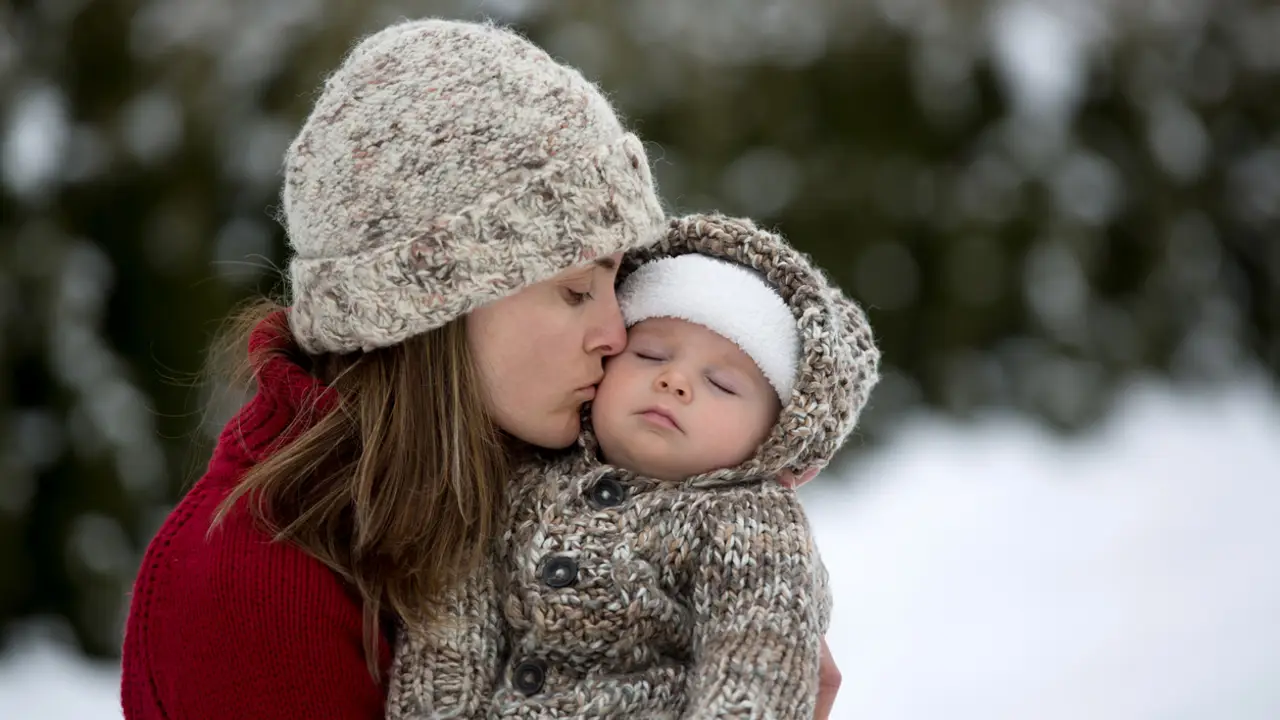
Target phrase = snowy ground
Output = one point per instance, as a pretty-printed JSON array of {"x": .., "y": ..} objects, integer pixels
[{"x": 992, "y": 571}]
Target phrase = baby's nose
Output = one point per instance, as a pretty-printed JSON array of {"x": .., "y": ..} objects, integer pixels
[{"x": 674, "y": 385}]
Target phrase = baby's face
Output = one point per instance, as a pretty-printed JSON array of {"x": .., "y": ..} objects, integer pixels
[{"x": 681, "y": 400}]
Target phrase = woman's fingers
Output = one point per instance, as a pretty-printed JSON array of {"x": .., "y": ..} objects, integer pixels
[
  {"x": 791, "y": 480},
  {"x": 828, "y": 683},
  {"x": 828, "y": 673}
]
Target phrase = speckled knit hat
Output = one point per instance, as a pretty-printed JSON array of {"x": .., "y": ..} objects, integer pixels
[{"x": 446, "y": 165}]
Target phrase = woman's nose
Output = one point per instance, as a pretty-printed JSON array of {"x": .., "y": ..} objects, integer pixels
[{"x": 608, "y": 334}]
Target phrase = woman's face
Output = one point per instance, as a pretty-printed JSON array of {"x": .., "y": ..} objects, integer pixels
[{"x": 541, "y": 351}]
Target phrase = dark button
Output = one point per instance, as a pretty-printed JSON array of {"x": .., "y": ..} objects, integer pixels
[
  {"x": 560, "y": 572},
  {"x": 607, "y": 492},
  {"x": 529, "y": 676}
]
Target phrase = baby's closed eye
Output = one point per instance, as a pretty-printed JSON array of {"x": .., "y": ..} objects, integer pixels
[{"x": 722, "y": 385}]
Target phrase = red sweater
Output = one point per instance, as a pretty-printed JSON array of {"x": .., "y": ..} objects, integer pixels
[{"x": 234, "y": 625}]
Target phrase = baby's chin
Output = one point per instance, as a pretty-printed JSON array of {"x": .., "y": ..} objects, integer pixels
[
  {"x": 657, "y": 471},
  {"x": 654, "y": 472},
  {"x": 628, "y": 454},
  {"x": 661, "y": 466}
]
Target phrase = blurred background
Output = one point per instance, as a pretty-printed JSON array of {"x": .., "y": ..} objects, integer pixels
[{"x": 1061, "y": 217}]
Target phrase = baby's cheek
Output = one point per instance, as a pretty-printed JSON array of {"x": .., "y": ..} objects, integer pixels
[
  {"x": 744, "y": 447},
  {"x": 607, "y": 406},
  {"x": 601, "y": 409},
  {"x": 727, "y": 437},
  {"x": 755, "y": 425}
]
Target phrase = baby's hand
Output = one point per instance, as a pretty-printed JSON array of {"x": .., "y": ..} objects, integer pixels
[{"x": 789, "y": 479}]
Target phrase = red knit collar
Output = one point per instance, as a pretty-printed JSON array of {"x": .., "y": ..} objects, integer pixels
[
  {"x": 271, "y": 344},
  {"x": 288, "y": 398}
]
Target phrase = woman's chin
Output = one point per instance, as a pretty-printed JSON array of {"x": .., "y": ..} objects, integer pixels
[
  {"x": 557, "y": 435},
  {"x": 567, "y": 440}
]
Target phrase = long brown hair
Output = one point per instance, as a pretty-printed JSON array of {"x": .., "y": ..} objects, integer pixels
[{"x": 399, "y": 488}]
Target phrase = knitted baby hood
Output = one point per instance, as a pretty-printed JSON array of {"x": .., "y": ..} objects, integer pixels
[
  {"x": 839, "y": 361},
  {"x": 446, "y": 165}
]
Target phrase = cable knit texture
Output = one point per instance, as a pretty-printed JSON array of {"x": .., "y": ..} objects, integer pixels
[
  {"x": 616, "y": 595},
  {"x": 446, "y": 165},
  {"x": 231, "y": 624}
]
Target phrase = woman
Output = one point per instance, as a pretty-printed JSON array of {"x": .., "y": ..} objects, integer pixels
[{"x": 457, "y": 204}]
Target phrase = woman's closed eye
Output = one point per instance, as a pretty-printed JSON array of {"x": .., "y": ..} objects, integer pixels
[{"x": 573, "y": 297}]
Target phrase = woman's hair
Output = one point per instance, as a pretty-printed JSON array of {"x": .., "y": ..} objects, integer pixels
[{"x": 399, "y": 488}]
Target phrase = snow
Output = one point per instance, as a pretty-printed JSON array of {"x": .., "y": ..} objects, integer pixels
[
  {"x": 992, "y": 570},
  {"x": 41, "y": 679}
]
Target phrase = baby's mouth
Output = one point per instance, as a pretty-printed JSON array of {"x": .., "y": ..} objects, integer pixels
[{"x": 661, "y": 417}]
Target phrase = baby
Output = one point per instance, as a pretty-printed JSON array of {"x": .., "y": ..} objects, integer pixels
[
  {"x": 660, "y": 570},
  {"x": 711, "y": 354}
]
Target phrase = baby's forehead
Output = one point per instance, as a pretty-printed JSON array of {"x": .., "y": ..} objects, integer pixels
[{"x": 678, "y": 331}]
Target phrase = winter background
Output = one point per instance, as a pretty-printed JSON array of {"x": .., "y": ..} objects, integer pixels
[{"x": 1061, "y": 217}]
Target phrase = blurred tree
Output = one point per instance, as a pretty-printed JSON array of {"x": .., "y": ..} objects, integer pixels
[{"x": 1036, "y": 202}]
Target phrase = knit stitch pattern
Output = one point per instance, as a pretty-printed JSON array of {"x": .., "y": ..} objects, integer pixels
[
  {"x": 446, "y": 165},
  {"x": 624, "y": 596}
]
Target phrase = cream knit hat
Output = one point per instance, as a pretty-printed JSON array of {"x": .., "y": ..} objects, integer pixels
[{"x": 444, "y": 166}]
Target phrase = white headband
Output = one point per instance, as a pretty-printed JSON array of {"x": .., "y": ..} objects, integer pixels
[{"x": 728, "y": 299}]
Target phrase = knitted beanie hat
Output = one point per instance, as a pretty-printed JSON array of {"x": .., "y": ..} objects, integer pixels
[
  {"x": 446, "y": 165},
  {"x": 728, "y": 299}
]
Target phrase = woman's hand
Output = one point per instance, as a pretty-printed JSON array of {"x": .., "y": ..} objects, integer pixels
[
  {"x": 828, "y": 673},
  {"x": 828, "y": 683},
  {"x": 791, "y": 480}
]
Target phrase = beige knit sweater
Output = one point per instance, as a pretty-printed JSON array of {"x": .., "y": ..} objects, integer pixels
[{"x": 614, "y": 595}]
